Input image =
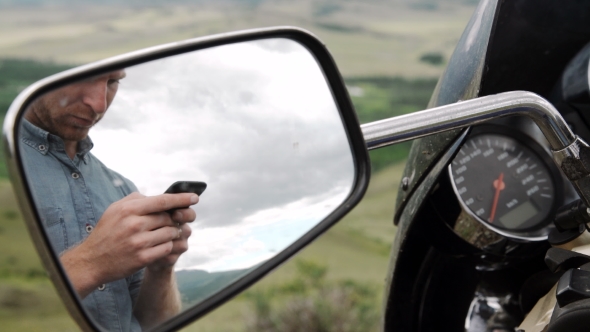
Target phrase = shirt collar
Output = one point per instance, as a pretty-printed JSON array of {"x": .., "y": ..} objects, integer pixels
[{"x": 43, "y": 141}]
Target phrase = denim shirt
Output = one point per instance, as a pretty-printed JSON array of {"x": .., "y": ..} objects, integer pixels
[{"x": 71, "y": 196}]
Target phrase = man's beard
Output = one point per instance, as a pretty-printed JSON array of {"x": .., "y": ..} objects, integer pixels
[{"x": 62, "y": 126}]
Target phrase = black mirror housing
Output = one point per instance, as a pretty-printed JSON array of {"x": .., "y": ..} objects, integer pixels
[{"x": 25, "y": 195}]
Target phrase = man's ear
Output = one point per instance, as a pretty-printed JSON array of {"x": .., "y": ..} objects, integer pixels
[{"x": 29, "y": 114}]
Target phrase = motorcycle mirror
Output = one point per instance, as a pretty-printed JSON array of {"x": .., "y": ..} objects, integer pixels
[{"x": 261, "y": 116}]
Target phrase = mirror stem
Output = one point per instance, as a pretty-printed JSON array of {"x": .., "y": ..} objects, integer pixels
[
  {"x": 471, "y": 112},
  {"x": 570, "y": 152}
]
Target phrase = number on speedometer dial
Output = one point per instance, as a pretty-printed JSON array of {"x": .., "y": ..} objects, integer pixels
[{"x": 503, "y": 183}]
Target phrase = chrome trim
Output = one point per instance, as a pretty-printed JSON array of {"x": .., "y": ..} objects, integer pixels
[
  {"x": 570, "y": 151},
  {"x": 574, "y": 162},
  {"x": 471, "y": 112}
]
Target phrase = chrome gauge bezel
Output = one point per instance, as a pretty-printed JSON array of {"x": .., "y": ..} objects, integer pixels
[{"x": 538, "y": 232}]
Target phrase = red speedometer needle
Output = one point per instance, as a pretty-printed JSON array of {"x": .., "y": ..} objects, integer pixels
[{"x": 499, "y": 185}]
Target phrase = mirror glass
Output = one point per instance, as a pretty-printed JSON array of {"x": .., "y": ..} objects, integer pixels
[{"x": 256, "y": 121}]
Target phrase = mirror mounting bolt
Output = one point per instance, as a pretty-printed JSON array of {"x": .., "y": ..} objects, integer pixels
[
  {"x": 405, "y": 183},
  {"x": 574, "y": 161}
]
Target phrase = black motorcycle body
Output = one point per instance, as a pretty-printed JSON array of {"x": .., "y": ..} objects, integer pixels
[{"x": 437, "y": 280}]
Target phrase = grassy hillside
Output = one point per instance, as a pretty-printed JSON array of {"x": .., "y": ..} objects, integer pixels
[
  {"x": 377, "y": 98},
  {"x": 17, "y": 74},
  {"x": 367, "y": 38},
  {"x": 28, "y": 301}
]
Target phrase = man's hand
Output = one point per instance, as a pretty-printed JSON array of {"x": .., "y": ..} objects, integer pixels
[
  {"x": 158, "y": 298},
  {"x": 179, "y": 245},
  {"x": 134, "y": 232}
]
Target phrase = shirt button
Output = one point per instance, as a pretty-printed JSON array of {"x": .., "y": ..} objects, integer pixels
[
  {"x": 41, "y": 147},
  {"x": 89, "y": 228},
  {"x": 75, "y": 175},
  {"x": 102, "y": 287}
]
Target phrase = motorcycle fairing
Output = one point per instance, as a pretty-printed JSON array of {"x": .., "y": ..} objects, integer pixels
[
  {"x": 460, "y": 81},
  {"x": 507, "y": 45}
]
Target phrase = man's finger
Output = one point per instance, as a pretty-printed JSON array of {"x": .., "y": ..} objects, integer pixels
[
  {"x": 156, "y": 220},
  {"x": 186, "y": 231},
  {"x": 160, "y": 235},
  {"x": 132, "y": 196},
  {"x": 157, "y": 252},
  {"x": 164, "y": 202},
  {"x": 184, "y": 215}
]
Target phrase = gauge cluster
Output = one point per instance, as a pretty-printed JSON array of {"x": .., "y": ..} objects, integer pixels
[{"x": 506, "y": 181}]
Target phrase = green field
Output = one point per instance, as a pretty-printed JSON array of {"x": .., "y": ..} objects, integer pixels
[
  {"x": 367, "y": 38},
  {"x": 28, "y": 301}
]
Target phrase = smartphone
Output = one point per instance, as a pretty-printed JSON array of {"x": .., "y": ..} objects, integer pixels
[{"x": 196, "y": 187}]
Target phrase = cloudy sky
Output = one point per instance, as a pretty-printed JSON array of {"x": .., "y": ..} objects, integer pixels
[{"x": 257, "y": 122}]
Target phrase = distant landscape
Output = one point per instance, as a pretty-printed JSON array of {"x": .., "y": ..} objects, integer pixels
[
  {"x": 367, "y": 38},
  {"x": 207, "y": 284},
  {"x": 390, "y": 54}
]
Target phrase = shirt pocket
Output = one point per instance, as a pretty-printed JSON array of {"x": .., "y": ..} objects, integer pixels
[{"x": 55, "y": 227}]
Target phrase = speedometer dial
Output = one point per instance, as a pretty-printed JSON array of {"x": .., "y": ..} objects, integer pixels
[{"x": 504, "y": 183}]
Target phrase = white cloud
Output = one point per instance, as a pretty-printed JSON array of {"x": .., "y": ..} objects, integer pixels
[{"x": 257, "y": 122}]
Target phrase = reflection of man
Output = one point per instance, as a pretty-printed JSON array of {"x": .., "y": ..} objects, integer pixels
[{"x": 117, "y": 246}]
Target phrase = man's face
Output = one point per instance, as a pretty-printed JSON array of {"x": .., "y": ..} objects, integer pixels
[{"x": 69, "y": 112}]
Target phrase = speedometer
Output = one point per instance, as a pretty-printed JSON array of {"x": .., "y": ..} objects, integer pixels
[{"x": 506, "y": 183}]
